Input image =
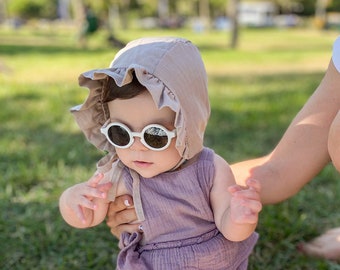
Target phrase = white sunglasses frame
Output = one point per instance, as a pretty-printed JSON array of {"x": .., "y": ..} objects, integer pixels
[{"x": 105, "y": 131}]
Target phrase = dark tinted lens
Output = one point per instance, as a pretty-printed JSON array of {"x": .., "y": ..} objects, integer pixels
[
  {"x": 119, "y": 135},
  {"x": 155, "y": 137}
]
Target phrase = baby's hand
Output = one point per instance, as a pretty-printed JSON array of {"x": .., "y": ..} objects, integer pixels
[
  {"x": 81, "y": 197},
  {"x": 245, "y": 203}
]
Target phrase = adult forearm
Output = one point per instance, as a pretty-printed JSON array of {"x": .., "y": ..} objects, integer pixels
[
  {"x": 302, "y": 152},
  {"x": 278, "y": 181}
]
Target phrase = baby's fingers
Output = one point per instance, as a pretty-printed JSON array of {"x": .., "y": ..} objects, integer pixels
[
  {"x": 254, "y": 184},
  {"x": 245, "y": 211},
  {"x": 246, "y": 194},
  {"x": 95, "y": 179},
  {"x": 87, "y": 192},
  {"x": 80, "y": 214},
  {"x": 250, "y": 192},
  {"x": 253, "y": 205},
  {"x": 85, "y": 202},
  {"x": 104, "y": 187},
  {"x": 235, "y": 188},
  {"x": 80, "y": 206}
]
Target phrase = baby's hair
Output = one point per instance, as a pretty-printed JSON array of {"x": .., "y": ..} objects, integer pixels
[{"x": 112, "y": 91}]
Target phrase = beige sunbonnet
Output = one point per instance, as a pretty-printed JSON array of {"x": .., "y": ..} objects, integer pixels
[{"x": 173, "y": 72}]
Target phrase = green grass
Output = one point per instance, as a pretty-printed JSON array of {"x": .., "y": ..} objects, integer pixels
[{"x": 255, "y": 91}]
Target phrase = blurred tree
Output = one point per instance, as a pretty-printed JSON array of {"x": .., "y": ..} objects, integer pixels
[
  {"x": 289, "y": 6},
  {"x": 113, "y": 8},
  {"x": 33, "y": 9},
  {"x": 204, "y": 11},
  {"x": 232, "y": 11},
  {"x": 163, "y": 10},
  {"x": 3, "y": 11},
  {"x": 320, "y": 9},
  {"x": 90, "y": 15},
  {"x": 334, "y": 6},
  {"x": 78, "y": 10},
  {"x": 320, "y": 13}
]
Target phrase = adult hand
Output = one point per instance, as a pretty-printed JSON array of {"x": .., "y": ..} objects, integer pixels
[{"x": 121, "y": 216}]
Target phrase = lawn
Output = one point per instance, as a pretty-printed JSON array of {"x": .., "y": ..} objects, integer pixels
[{"x": 255, "y": 92}]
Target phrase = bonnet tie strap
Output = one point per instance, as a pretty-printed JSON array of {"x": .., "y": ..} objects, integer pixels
[
  {"x": 136, "y": 195},
  {"x": 115, "y": 177}
]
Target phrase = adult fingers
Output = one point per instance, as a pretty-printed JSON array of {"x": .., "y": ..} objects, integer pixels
[
  {"x": 120, "y": 203},
  {"x": 125, "y": 216},
  {"x": 122, "y": 221},
  {"x": 130, "y": 228}
]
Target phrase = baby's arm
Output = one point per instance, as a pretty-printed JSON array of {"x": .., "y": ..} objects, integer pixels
[
  {"x": 85, "y": 205},
  {"x": 235, "y": 208}
]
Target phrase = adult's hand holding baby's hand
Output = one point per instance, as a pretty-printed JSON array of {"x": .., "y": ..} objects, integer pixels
[{"x": 245, "y": 203}]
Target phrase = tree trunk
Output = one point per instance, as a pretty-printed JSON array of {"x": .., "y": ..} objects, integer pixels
[
  {"x": 320, "y": 14},
  {"x": 163, "y": 9},
  {"x": 233, "y": 15},
  {"x": 112, "y": 11},
  {"x": 204, "y": 12},
  {"x": 79, "y": 12}
]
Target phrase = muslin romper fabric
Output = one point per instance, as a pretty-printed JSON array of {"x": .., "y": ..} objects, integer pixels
[
  {"x": 173, "y": 207},
  {"x": 179, "y": 228}
]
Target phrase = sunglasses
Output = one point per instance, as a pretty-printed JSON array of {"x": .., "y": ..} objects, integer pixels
[{"x": 154, "y": 137}]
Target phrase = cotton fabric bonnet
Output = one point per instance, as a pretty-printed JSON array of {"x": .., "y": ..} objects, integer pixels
[{"x": 173, "y": 72}]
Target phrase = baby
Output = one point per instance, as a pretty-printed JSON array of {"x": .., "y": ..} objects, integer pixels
[{"x": 149, "y": 112}]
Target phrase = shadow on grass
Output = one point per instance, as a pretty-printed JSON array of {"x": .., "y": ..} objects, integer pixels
[
  {"x": 38, "y": 160},
  {"x": 34, "y": 236},
  {"x": 22, "y": 49},
  {"x": 250, "y": 123},
  {"x": 35, "y": 147}
]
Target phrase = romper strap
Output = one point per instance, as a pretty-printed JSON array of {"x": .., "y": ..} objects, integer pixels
[
  {"x": 136, "y": 195},
  {"x": 112, "y": 169},
  {"x": 115, "y": 169}
]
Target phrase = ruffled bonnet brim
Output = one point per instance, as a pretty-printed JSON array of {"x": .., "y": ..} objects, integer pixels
[
  {"x": 172, "y": 71},
  {"x": 93, "y": 113}
]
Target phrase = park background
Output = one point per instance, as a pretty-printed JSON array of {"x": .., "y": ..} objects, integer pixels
[{"x": 256, "y": 88}]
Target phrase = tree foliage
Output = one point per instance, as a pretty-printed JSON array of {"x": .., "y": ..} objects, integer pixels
[
  {"x": 28, "y": 9},
  {"x": 33, "y": 9}
]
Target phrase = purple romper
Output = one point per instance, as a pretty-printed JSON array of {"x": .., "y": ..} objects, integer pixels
[{"x": 179, "y": 229}]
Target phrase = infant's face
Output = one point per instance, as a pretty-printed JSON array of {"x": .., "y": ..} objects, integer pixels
[{"x": 136, "y": 113}]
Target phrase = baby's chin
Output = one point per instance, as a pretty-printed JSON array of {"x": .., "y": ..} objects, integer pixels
[
  {"x": 146, "y": 174},
  {"x": 148, "y": 169}
]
